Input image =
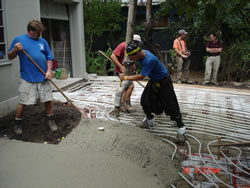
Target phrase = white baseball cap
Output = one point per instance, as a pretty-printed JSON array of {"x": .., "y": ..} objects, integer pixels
[
  {"x": 182, "y": 31},
  {"x": 137, "y": 38}
]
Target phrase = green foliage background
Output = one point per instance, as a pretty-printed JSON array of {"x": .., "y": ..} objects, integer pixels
[
  {"x": 97, "y": 63},
  {"x": 229, "y": 19},
  {"x": 100, "y": 16}
]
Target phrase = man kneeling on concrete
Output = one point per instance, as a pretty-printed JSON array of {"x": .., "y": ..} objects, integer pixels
[
  {"x": 159, "y": 95},
  {"x": 122, "y": 100},
  {"x": 32, "y": 82}
]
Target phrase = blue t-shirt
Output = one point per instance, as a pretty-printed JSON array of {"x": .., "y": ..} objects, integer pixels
[
  {"x": 152, "y": 67},
  {"x": 39, "y": 51}
]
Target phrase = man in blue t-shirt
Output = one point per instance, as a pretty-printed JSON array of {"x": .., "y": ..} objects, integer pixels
[
  {"x": 158, "y": 95},
  {"x": 32, "y": 82}
]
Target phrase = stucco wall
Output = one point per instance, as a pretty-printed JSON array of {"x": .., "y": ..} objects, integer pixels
[{"x": 17, "y": 15}]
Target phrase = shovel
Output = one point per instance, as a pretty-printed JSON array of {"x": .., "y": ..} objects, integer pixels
[
  {"x": 51, "y": 81},
  {"x": 63, "y": 75}
]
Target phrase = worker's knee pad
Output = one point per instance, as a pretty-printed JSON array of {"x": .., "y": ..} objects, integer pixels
[{"x": 118, "y": 97}]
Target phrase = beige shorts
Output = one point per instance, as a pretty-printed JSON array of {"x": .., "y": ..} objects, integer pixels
[{"x": 30, "y": 92}]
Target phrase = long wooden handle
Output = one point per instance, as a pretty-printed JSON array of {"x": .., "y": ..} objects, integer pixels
[
  {"x": 64, "y": 52},
  {"x": 51, "y": 81},
  {"x": 101, "y": 52}
]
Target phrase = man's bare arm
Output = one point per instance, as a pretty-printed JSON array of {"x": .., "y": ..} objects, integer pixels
[
  {"x": 117, "y": 63},
  {"x": 49, "y": 69},
  {"x": 13, "y": 53},
  {"x": 132, "y": 77}
]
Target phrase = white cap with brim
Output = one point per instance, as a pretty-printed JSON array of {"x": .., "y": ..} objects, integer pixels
[{"x": 137, "y": 38}]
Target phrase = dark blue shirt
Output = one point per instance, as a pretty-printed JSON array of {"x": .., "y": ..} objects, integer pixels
[
  {"x": 39, "y": 51},
  {"x": 152, "y": 67}
]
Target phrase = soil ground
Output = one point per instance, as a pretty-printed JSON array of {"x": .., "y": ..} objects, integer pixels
[
  {"x": 35, "y": 128},
  {"x": 198, "y": 77}
]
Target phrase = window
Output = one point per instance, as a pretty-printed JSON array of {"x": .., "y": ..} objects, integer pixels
[{"x": 3, "y": 46}]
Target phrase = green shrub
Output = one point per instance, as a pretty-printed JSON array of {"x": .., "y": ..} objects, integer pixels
[{"x": 97, "y": 63}]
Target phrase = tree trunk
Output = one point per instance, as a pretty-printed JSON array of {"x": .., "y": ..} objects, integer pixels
[
  {"x": 112, "y": 40},
  {"x": 90, "y": 42},
  {"x": 131, "y": 20},
  {"x": 148, "y": 11},
  {"x": 154, "y": 48}
]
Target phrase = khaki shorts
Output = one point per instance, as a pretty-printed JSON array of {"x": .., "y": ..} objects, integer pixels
[{"x": 30, "y": 92}]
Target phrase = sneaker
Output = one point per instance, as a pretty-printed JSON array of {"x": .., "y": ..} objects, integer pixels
[
  {"x": 179, "y": 82},
  {"x": 182, "y": 130},
  {"x": 205, "y": 82},
  {"x": 52, "y": 124},
  {"x": 146, "y": 123},
  {"x": 181, "y": 134},
  {"x": 18, "y": 127}
]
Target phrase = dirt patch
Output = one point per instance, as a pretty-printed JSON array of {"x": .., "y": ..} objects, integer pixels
[{"x": 35, "y": 128}]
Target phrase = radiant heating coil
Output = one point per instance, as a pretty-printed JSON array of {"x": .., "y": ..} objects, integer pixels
[{"x": 203, "y": 110}]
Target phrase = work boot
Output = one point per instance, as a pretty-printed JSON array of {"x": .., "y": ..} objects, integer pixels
[
  {"x": 116, "y": 111},
  {"x": 181, "y": 134},
  {"x": 18, "y": 127},
  {"x": 123, "y": 108},
  {"x": 129, "y": 107},
  {"x": 52, "y": 124}
]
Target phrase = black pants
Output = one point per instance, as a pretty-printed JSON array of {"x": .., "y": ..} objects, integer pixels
[{"x": 159, "y": 97}]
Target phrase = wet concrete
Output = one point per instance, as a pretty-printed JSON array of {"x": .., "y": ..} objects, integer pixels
[{"x": 120, "y": 156}]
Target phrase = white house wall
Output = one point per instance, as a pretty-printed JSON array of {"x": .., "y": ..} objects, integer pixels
[{"x": 17, "y": 14}]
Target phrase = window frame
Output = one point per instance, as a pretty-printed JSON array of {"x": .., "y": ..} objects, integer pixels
[{"x": 4, "y": 61}]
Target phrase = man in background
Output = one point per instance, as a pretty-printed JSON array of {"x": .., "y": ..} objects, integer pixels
[
  {"x": 182, "y": 57},
  {"x": 213, "y": 48}
]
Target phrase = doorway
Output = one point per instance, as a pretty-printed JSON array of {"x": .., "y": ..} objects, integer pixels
[{"x": 57, "y": 34}]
